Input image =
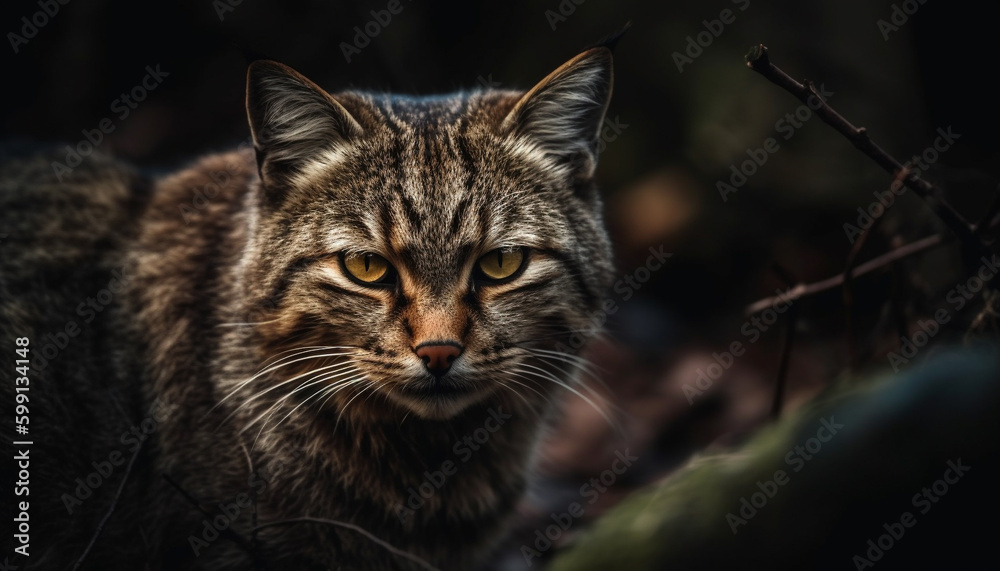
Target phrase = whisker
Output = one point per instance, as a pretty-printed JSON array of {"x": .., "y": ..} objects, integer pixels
[
  {"x": 336, "y": 366},
  {"x": 542, "y": 359},
  {"x": 360, "y": 377},
  {"x": 302, "y": 351},
  {"x": 273, "y": 368},
  {"x": 538, "y": 411},
  {"x": 306, "y": 384},
  {"x": 544, "y": 396},
  {"x": 264, "y": 425},
  {"x": 319, "y": 392},
  {"x": 513, "y": 390},
  {"x": 583, "y": 364},
  {"x": 248, "y": 324},
  {"x": 562, "y": 332},
  {"x": 542, "y": 373},
  {"x": 349, "y": 404}
]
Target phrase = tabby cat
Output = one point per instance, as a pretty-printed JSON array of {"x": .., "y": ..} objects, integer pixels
[{"x": 333, "y": 351}]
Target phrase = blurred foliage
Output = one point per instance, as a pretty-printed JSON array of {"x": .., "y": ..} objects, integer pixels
[{"x": 896, "y": 437}]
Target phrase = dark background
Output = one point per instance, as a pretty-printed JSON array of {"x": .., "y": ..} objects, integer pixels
[
  {"x": 684, "y": 129},
  {"x": 681, "y": 132}
]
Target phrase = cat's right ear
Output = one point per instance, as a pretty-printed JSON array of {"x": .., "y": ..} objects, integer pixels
[
  {"x": 293, "y": 121},
  {"x": 562, "y": 115}
]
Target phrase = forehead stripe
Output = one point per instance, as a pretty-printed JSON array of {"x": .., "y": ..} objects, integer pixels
[
  {"x": 410, "y": 211},
  {"x": 458, "y": 216}
]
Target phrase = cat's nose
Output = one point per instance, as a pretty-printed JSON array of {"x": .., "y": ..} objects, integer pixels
[{"x": 438, "y": 356}]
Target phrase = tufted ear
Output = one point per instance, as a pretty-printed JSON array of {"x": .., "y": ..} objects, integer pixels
[
  {"x": 293, "y": 122},
  {"x": 562, "y": 115}
]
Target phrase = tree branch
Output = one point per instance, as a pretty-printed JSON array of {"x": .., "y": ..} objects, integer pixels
[
  {"x": 778, "y": 398},
  {"x": 228, "y": 533},
  {"x": 991, "y": 212},
  {"x": 111, "y": 509},
  {"x": 759, "y": 61},
  {"x": 805, "y": 290}
]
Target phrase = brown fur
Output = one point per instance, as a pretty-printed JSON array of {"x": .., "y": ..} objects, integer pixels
[{"x": 252, "y": 274}]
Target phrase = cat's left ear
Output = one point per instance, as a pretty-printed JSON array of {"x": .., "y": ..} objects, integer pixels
[
  {"x": 293, "y": 122},
  {"x": 562, "y": 115}
]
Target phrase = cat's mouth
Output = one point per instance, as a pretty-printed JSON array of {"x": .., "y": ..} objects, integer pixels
[
  {"x": 437, "y": 388},
  {"x": 437, "y": 398}
]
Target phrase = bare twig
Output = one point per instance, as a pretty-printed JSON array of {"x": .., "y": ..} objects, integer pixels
[
  {"x": 388, "y": 547},
  {"x": 805, "y": 290},
  {"x": 759, "y": 61},
  {"x": 254, "y": 543},
  {"x": 786, "y": 355},
  {"x": 228, "y": 532},
  {"x": 899, "y": 304},
  {"x": 991, "y": 213},
  {"x": 988, "y": 319},
  {"x": 781, "y": 379},
  {"x": 111, "y": 509},
  {"x": 784, "y": 274},
  {"x": 852, "y": 258}
]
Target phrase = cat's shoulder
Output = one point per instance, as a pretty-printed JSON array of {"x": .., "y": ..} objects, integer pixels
[
  {"x": 55, "y": 220},
  {"x": 211, "y": 176}
]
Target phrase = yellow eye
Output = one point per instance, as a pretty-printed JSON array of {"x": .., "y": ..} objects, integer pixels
[
  {"x": 501, "y": 263},
  {"x": 368, "y": 268}
]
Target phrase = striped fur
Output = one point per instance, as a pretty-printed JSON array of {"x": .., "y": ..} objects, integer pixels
[{"x": 431, "y": 184}]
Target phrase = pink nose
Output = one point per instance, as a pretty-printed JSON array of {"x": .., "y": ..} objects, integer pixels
[{"x": 438, "y": 357}]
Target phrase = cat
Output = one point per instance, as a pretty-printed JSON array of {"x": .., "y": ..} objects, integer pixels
[{"x": 335, "y": 350}]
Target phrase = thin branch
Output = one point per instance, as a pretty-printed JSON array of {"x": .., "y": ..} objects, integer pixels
[
  {"x": 805, "y": 290},
  {"x": 759, "y": 61},
  {"x": 852, "y": 258},
  {"x": 228, "y": 533},
  {"x": 901, "y": 286},
  {"x": 254, "y": 543},
  {"x": 991, "y": 213},
  {"x": 781, "y": 379},
  {"x": 784, "y": 274},
  {"x": 388, "y": 547},
  {"x": 111, "y": 509},
  {"x": 786, "y": 355}
]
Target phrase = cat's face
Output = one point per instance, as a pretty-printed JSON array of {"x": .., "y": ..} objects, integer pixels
[{"x": 435, "y": 246}]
